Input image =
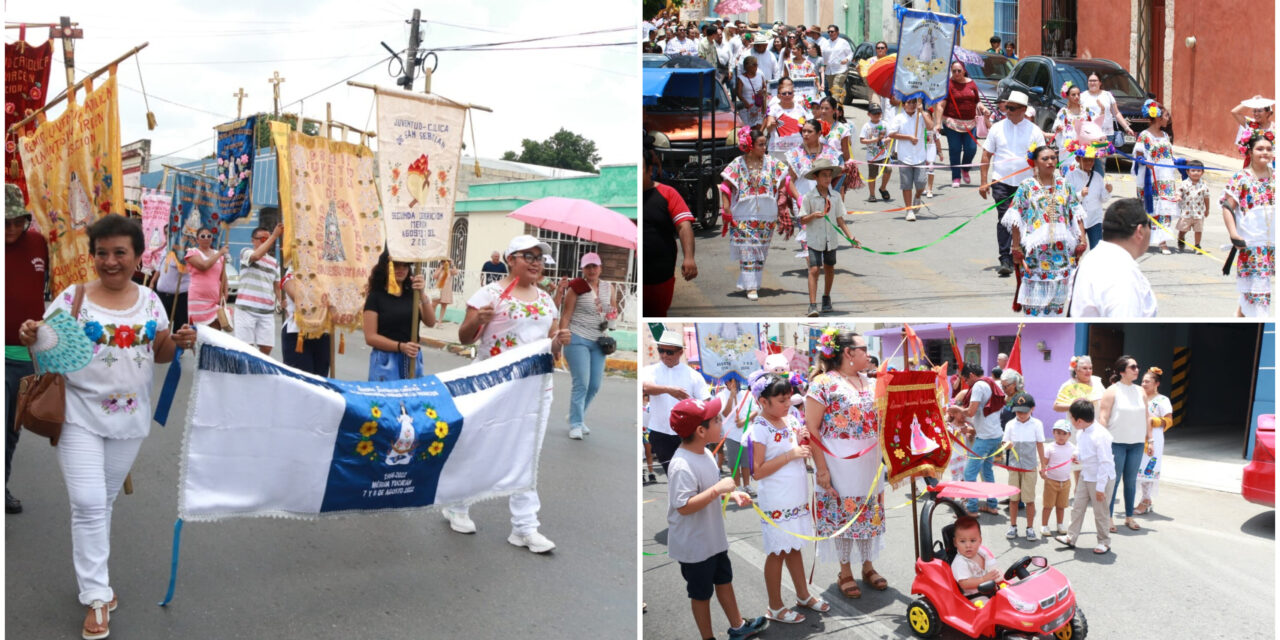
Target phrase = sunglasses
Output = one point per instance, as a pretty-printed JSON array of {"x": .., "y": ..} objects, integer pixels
[
  {"x": 1132, "y": 365},
  {"x": 261, "y": 237},
  {"x": 668, "y": 352},
  {"x": 786, "y": 93},
  {"x": 1015, "y": 107},
  {"x": 529, "y": 256},
  {"x": 205, "y": 236}
]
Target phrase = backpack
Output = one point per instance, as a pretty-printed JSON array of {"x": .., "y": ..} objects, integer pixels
[{"x": 996, "y": 402}]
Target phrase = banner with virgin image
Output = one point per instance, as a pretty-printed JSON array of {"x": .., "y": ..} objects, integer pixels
[
  {"x": 26, "y": 86},
  {"x": 913, "y": 432},
  {"x": 72, "y": 167},
  {"x": 332, "y": 226},
  {"x": 195, "y": 207},
  {"x": 925, "y": 43},
  {"x": 236, "y": 152},
  {"x": 728, "y": 349},
  {"x": 419, "y": 146},
  {"x": 155, "y": 222}
]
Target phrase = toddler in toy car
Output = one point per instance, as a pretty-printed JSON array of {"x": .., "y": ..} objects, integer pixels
[{"x": 973, "y": 564}]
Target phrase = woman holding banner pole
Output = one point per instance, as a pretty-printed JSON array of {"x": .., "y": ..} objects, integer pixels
[
  {"x": 500, "y": 316},
  {"x": 388, "y": 319}
]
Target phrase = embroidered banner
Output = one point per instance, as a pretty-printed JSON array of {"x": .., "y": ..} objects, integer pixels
[
  {"x": 925, "y": 42},
  {"x": 236, "y": 152},
  {"x": 26, "y": 84},
  {"x": 155, "y": 222},
  {"x": 728, "y": 350},
  {"x": 297, "y": 445},
  {"x": 419, "y": 145},
  {"x": 72, "y": 169},
  {"x": 195, "y": 207},
  {"x": 332, "y": 226},
  {"x": 913, "y": 430}
]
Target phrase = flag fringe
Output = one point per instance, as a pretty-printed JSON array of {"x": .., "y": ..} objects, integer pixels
[
  {"x": 535, "y": 365},
  {"x": 222, "y": 360}
]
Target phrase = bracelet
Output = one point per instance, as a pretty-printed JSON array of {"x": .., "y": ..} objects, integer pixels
[{"x": 398, "y": 343}]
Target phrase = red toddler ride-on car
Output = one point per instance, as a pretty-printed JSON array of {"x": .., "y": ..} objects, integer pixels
[{"x": 1040, "y": 603}]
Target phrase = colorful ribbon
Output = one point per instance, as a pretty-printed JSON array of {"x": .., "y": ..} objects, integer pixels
[
  {"x": 170, "y": 388},
  {"x": 870, "y": 492}
]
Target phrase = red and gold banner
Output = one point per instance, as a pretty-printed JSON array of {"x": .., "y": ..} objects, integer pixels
[
  {"x": 72, "y": 169},
  {"x": 912, "y": 427},
  {"x": 26, "y": 86}
]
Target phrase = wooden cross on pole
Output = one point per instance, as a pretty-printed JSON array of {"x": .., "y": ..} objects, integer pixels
[
  {"x": 68, "y": 35},
  {"x": 239, "y": 96},
  {"x": 275, "y": 81}
]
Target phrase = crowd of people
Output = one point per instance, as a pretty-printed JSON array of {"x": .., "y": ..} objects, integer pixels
[{"x": 825, "y": 418}]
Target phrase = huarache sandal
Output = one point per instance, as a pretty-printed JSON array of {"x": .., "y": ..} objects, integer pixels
[
  {"x": 97, "y": 621},
  {"x": 784, "y": 615},
  {"x": 815, "y": 603},
  {"x": 1143, "y": 508},
  {"x": 877, "y": 582},
  {"x": 1131, "y": 523},
  {"x": 848, "y": 586}
]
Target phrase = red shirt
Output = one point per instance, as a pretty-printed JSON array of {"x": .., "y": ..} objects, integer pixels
[
  {"x": 962, "y": 104},
  {"x": 25, "y": 264}
]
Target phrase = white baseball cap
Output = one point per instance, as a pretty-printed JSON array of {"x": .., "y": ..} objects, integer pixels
[
  {"x": 522, "y": 242},
  {"x": 589, "y": 259}
]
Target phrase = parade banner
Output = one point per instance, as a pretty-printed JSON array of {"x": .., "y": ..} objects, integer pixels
[
  {"x": 72, "y": 167},
  {"x": 156, "y": 206},
  {"x": 264, "y": 439},
  {"x": 913, "y": 430},
  {"x": 728, "y": 350},
  {"x": 419, "y": 146},
  {"x": 195, "y": 207},
  {"x": 925, "y": 42},
  {"x": 332, "y": 226},
  {"x": 26, "y": 84},
  {"x": 236, "y": 152}
]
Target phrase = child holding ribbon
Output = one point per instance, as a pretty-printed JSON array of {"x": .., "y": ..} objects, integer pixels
[{"x": 777, "y": 462}]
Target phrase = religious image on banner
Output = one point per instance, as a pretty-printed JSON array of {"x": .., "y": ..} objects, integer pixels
[
  {"x": 155, "y": 222},
  {"x": 195, "y": 207},
  {"x": 728, "y": 350},
  {"x": 26, "y": 86},
  {"x": 913, "y": 432},
  {"x": 73, "y": 175},
  {"x": 419, "y": 146},
  {"x": 333, "y": 230},
  {"x": 925, "y": 42},
  {"x": 236, "y": 153},
  {"x": 297, "y": 445}
]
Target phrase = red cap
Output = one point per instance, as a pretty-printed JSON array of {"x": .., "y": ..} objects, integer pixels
[{"x": 689, "y": 414}]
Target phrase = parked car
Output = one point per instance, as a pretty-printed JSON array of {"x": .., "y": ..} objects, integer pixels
[
  {"x": 653, "y": 60},
  {"x": 1259, "y": 483},
  {"x": 1041, "y": 77},
  {"x": 854, "y": 87}
]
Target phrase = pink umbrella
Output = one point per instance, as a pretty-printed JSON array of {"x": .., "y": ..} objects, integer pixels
[
  {"x": 730, "y": 7},
  {"x": 579, "y": 218}
]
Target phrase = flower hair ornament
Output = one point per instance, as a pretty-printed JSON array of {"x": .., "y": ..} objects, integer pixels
[
  {"x": 1250, "y": 135},
  {"x": 1031, "y": 155},
  {"x": 1095, "y": 149},
  {"x": 1074, "y": 360},
  {"x": 1066, "y": 87},
  {"x": 744, "y": 140},
  {"x": 1156, "y": 370},
  {"x": 757, "y": 382},
  {"x": 827, "y": 341},
  {"x": 1152, "y": 109},
  {"x": 797, "y": 380}
]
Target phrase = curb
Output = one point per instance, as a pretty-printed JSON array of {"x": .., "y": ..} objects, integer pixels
[{"x": 611, "y": 365}]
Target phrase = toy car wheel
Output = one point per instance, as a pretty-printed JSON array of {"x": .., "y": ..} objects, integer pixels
[
  {"x": 1076, "y": 630},
  {"x": 923, "y": 619}
]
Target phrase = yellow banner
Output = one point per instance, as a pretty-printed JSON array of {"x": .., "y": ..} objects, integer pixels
[
  {"x": 332, "y": 227},
  {"x": 73, "y": 178}
]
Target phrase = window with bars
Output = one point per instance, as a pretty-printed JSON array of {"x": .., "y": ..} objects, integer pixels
[
  {"x": 566, "y": 249},
  {"x": 949, "y": 6},
  {"x": 1006, "y": 20}
]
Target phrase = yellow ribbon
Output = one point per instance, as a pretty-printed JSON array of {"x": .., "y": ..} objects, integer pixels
[
  {"x": 1174, "y": 235},
  {"x": 841, "y": 530}
]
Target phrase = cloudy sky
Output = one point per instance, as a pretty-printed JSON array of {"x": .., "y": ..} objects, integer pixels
[{"x": 200, "y": 53}]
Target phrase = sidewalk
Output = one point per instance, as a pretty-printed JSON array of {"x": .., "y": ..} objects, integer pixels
[
  {"x": 1215, "y": 179},
  {"x": 445, "y": 336}
]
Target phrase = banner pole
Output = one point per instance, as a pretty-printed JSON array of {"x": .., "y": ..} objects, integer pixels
[
  {"x": 915, "y": 519},
  {"x": 417, "y": 301},
  {"x": 18, "y": 125}
]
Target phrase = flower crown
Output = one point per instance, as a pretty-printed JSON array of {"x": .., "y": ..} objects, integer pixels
[
  {"x": 1156, "y": 370},
  {"x": 1031, "y": 154},
  {"x": 1152, "y": 109},
  {"x": 797, "y": 380},
  {"x": 744, "y": 139},
  {"x": 827, "y": 341},
  {"x": 1066, "y": 87},
  {"x": 1249, "y": 136},
  {"x": 1095, "y": 149}
]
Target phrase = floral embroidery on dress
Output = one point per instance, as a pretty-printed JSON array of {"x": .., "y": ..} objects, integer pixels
[
  {"x": 779, "y": 515},
  {"x": 120, "y": 403},
  {"x": 766, "y": 182},
  {"x": 502, "y": 344},
  {"x": 841, "y": 419},
  {"x": 1254, "y": 262},
  {"x": 833, "y": 512}
]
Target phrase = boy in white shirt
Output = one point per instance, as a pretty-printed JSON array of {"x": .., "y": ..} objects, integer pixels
[
  {"x": 1093, "y": 197},
  {"x": 1097, "y": 476},
  {"x": 973, "y": 565},
  {"x": 1193, "y": 203},
  {"x": 874, "y": 136},
  {"x": 910, "y": 129},
  {"x": 1057, "y": 476},
  {"x": 1025, "y": 436}
]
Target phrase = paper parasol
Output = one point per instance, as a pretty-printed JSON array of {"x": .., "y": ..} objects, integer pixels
[
  {"x": 879, "y": 75},
  {"x": 1258, "y": 103},
  {"x": 61, "y": 345}
]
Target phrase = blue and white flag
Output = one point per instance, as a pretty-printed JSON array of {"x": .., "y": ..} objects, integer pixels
[
  {"x": 925, "y": 44},
  {"x": 195, "y": 207},
  {"x": 237, "y": 148},
  {"x": 264, "y": 439}
]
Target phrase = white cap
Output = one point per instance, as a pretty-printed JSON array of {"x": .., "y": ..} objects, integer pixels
[
  {"x": 522, "y": 242},
  {"x": 1062, "y": 425},
  {"x": 1017, "y": 97},
  {"x": 589, "y": 259}
]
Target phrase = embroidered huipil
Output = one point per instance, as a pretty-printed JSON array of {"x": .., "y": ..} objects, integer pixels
[
  {"x": 1164, "y": 181},
  {"x": 1048, "y": 219},
  {"x": 784, "y": 494},
  {"x": 111, "y": 396},
  {"x": 515, "y": 322},
  {"x": 754, "y": 206},
  {"x": 1256, "y": 263},
  {"x": 849, "y": 425}
]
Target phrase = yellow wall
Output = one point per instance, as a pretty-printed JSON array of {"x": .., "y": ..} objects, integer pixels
[
  {"x": 488, "y": 232},
  {"x": 981, "y": 24}
]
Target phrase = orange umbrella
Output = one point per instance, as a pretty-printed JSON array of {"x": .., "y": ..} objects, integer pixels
[{"x": 879, "y": 74}]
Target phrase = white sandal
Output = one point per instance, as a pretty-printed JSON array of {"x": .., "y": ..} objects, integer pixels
[
  {"x": 814, "y": 603},
  {"x": 790, "y": 617},
  {"x": 102, "y": 616}
]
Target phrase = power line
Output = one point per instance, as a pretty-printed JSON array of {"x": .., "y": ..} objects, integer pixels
[{"x": 549, "y": 47}]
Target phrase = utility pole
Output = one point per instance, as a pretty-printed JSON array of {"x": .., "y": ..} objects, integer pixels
[{"x": 411, "y": 60}]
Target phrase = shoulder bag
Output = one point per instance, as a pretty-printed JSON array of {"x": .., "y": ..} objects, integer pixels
[
  {"x": 42, "y": 397},
  {"x": 607, "y": 344}
]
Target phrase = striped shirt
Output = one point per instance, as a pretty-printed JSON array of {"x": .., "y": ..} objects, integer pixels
[{"x": 257, "y": 291}]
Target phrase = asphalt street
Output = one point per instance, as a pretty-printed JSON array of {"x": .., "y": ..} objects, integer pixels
[
  {"x": 955, "y": 277},
  {"x": 395, "y": 575},
  {"x": 1202, "y": 566}
]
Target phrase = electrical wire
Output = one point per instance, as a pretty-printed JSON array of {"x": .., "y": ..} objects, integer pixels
[
  {"x": 494, "y": 44},
  {"x": 222, "y": 62},
  {"x": 547, "y": 48}
]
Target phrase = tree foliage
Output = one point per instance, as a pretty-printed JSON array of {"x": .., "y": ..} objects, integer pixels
[
  {"x": 652, "y": 7},
  {"x": 565, "y": 150}
]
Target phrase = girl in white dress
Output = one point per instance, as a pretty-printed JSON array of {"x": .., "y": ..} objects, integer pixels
[
  {"x": 778, "y": 464},
  {"x": 1160, "y": 415}
]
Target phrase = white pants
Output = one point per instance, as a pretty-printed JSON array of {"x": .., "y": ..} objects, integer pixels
[
  {"x": 524, "y": 511},
  {"x": 94, "y": 469}
]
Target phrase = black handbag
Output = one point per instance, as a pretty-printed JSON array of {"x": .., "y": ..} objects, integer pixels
[{"x": 607, "y": 344}]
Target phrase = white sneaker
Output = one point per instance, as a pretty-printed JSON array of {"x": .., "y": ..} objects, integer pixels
[
  {"x": 1062, "y": 531},
  {"x": 1044, "y": 531},
  {"x": 911, "y": 215},
  {"x": 1031, "y": 534},
  {"x": 586, "y": 431},
  {"x": 536, "y": 542},
  {"x": 459, "y": 522},
  {"x": 752, "y": 295},
  {"x": 575, "y": 433},
  {"x": 1012, "y": 533}
]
